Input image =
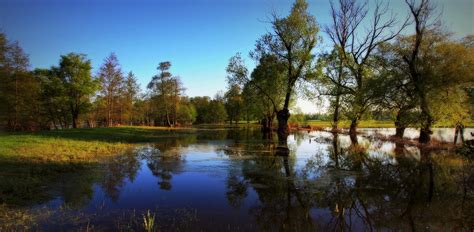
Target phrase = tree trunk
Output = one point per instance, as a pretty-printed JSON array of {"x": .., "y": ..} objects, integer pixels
[
  {"x": 427, "y": 120},
  {"x": 400, "y": 128},
  {"x": 335, "y": 147},
  {"x": 267, "y": 127},
  {"x": 74, "y": 120},
  {"x": 335, "y": 118},
  {"x": 459, "y": 130},
  {"x": 283, "y": 130},
  {"x": 399, "y": 131},
  {"x": 353, "y": 128},
  {"x": 425, "y": 135},
  {"x": 15, "y": 124}
]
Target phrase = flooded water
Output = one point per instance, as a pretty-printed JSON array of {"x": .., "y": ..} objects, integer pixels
[{"x": 232, "y": 180}]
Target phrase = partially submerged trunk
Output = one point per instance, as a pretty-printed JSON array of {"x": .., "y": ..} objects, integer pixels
[
  {"x": 425, "y": 131},
  {"x": 267, "y": 127},
  {"x": 335, "y": 147},
  {"x": 459, "y": 130},
  {"x": 353, "y": 128},
  {"x": 425, "y": 135},
  {"x": 335, "y": 118},
  {"x": 400, "y": 128},
  {"x": 283, "y": 130}
]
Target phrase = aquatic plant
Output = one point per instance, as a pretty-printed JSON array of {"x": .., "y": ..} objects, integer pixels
[{"x": 149, "y": 221}]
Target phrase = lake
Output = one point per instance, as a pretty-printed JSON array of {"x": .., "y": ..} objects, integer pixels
[{"x": 230, "y": 179}]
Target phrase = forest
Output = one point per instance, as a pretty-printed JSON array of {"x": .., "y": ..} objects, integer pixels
[{"x": 374, "y": 68}]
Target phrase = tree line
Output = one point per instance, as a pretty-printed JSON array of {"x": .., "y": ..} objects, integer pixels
[
  {"x": 68, "y": 95},
  {"x": 417, "y": 78}
]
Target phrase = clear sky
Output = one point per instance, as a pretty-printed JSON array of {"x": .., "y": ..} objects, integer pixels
[{"x": 197, "y": 36}]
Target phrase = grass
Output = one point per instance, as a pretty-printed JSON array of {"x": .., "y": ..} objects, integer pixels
[
  {"x": 77, "y": 145},
  {"x": 369, "y": 124}
]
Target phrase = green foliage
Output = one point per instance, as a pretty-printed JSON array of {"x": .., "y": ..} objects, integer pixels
[
  {"x": 209, "y": 111},
  {"x": 233, "y": 103},
  {"x": 19, "y": 89},
  {"x": 74, "y": 71},
  {"x": 112, "y": 87}
]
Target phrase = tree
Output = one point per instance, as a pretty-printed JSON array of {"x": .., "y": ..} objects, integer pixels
[
  {"x": 399, "y": 96},
  {"x": 131, "y": 90},
  {"x": 209, "y": 111},
  {"x": 264, "y": 91},
  {"x": 422, "y": 15},
  {"x": 111, "y": 79},
  {"x": 186, "y": 112},
  {"x": 75, "y": 74},
  {"x": 334, "y": 81},
  {"x": 357, "y": 44},
  {"x": 54, "y": 98},
  {"x": 233, "y": 103},
  {"x": 19, "y": 89},
  {"x": 166, "y": 91},
  {"x": 292, "y": 41}
]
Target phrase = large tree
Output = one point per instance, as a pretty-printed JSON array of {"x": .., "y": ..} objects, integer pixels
[
  {"x": 163, "y": 90},
  {"x": 356, "y": 44},
  {"x": 264, "y": 91},
  {"x": 333, "y": 79},
  {"x": 111, "y": 79},
  {"x": 424, "y": 21},
  {"x": 75, "y": 74},
  {"x": 291, "y": 41}
]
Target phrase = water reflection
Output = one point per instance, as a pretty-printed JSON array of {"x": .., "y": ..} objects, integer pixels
[{"x": 235, "y": 180}]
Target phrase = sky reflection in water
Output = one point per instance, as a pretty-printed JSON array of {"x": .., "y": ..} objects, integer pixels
[{"x": 232, "y": 180}]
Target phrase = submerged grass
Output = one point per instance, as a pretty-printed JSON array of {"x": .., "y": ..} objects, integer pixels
[{"x": 371, "y": 124}]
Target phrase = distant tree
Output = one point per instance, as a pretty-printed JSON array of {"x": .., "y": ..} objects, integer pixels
[
  {"x": 209, "y": 111},
  {"x": 131, "y": 91},
  {"x": 19, "y": 89},
  {"x": 202, "y": 105},
  {"x": 216, "y": 111},
  {"x": 75, "y": 74},
  {"x": 186, "y": 112},
  {"x": 112, "y": 80},
  {"x": 233, "y": 103},
  {"x": 166, "y": 91},
  {"x": 54, "y": 98}
]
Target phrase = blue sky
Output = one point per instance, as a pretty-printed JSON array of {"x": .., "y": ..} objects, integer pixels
[{"x": 197, "y": 36}]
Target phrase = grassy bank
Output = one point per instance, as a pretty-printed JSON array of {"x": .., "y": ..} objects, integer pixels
[{"x": 77, "y": 145}]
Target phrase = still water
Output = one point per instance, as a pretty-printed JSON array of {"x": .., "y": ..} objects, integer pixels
[{"x": 232, "y": 180}]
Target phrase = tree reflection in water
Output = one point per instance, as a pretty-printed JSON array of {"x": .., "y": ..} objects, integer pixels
[
  {"x": 117, "y": 170},
  {"x": 329, "y": 184},
  {"x": 361, "y": 191}
]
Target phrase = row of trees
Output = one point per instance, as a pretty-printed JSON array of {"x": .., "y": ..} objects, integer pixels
[
  {"x": 419, "y": 79},
  {"x": 69, "y": 95}
]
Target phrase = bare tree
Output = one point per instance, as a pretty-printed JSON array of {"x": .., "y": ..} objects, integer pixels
[
  {"x": 422, "y": 13},
  {"x": 357, "y": 43}
]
